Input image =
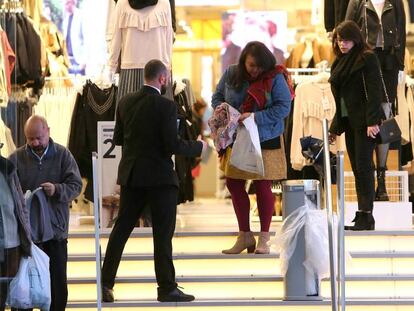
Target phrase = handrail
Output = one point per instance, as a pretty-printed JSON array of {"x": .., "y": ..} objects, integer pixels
[
  {"x": 328, "y": 206},
  {"x": 97, "y": 231},
  {"x": 340, "y": 186}
]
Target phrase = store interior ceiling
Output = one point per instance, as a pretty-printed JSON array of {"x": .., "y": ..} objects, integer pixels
[{"x": 214, "y": 11}]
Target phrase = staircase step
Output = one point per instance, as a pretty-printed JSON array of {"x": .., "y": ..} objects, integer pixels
[
  {"x": 250, "y": 266},
  {"x": 241, "y": 278},
  {"x": 250, "y": 304},
  {"x": 140, "y": 242},
  {"x": 389, "y": 287},
  {"x": 211, "y": 256}
]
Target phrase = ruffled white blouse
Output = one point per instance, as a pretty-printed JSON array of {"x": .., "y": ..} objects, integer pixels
[{"x": 141, "y": 35}]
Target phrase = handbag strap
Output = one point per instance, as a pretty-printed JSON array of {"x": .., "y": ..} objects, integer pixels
[{"x": 383, "y": 86}]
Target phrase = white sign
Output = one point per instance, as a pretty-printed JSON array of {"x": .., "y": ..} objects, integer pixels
[{"x": 109, "y": 156}]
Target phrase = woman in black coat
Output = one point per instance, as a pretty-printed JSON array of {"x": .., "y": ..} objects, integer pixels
[
  {"x": 356, "y": 85},
  {"x": 385, "y": 33}
]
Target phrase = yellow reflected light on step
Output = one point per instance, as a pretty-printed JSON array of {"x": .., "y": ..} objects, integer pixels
[
  {"x": 259, "y": 308},
  {"x": 249, "y": 266},
  {"x": 245, "y": 290},
  {"x": 214, "y": 244}
]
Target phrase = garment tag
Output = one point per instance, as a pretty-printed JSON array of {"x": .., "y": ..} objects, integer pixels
[{"x": 325, "y": 103}]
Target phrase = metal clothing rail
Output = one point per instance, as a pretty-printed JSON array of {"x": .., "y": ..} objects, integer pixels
[
  {"x": 304, "y": 70},
  {"x": 70, "y": 77},
  {"x": 337, "y": 272}
]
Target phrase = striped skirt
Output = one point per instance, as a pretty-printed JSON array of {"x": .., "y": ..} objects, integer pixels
[{"x": 131, "y": 80}]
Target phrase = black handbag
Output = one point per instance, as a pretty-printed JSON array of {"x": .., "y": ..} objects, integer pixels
[{"x": 389, "y": 130}]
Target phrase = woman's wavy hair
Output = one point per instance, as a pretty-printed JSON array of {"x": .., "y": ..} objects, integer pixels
[
  {"x": 349, "y": 30},
  {"x": 262, "y": 55}
]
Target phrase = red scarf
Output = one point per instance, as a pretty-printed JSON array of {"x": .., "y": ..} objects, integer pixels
[{"x": 260, "y": 90}]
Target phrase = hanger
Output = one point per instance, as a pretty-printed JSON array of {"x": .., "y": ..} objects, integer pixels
[{"x": 323, "y": 76}]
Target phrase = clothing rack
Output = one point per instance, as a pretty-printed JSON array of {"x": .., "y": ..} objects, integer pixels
[
  {"x": 12, "y": 6},
  {"x": 60, "y": 78},
  {"x": 300, "y": 75}
]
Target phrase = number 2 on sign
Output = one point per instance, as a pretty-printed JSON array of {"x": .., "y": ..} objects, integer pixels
[{"x": 107, "y": 154}]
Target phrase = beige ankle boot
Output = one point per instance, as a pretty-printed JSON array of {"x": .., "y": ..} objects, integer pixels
[
  {"x": 244, "y": 240},
  {"x": 263, "y": 243}
]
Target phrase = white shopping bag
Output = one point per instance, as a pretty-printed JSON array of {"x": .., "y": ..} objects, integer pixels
[
  {"x": 30, "y": 288},
  {"x": 246, "y": 153}
]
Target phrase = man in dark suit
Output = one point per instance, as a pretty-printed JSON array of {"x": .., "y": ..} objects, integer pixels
[{"x": 146, "y": 128}]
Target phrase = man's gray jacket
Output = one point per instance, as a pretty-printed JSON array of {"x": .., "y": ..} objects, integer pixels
[{"x": 58, "y": 167}]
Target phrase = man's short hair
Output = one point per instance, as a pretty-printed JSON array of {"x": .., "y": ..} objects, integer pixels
[{"x": 153, "y": 69}]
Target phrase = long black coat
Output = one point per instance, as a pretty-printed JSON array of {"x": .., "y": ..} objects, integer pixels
[
  {"x": 362, "y": 112},
  {"x": 146, "y": 128},
  {"x": 334, "y": 13}
]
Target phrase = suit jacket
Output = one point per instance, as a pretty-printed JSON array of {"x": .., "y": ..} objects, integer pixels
[{"x": 146, "y": 128}]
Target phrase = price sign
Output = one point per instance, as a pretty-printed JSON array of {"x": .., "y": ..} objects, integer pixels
[{"x": 109, "y": 156}]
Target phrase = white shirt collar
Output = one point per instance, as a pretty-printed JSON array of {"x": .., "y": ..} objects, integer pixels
[{"x": 159, "y": 91}]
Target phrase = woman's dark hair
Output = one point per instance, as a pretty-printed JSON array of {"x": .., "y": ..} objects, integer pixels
[
  {"x": 349, "y": 30},
  {"x": 263, "y": 57}
]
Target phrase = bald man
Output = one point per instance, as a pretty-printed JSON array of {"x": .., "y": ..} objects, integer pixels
[{"x": 46, "y": 164}]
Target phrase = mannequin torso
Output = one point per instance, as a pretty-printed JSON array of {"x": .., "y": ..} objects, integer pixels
[
  {"x": 379, "y": 6},
  {"x": 307, "y": 54}
]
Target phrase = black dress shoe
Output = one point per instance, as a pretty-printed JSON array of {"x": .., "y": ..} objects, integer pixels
[
  {"x": 107, "y": 294},
  {"x": 175, "y": 296}
]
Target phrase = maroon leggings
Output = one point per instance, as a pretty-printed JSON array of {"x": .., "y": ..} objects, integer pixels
[{"x": 241, "y": 202}]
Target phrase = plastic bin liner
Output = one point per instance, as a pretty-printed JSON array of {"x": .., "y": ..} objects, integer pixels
[{"x": 315, "y": 225}]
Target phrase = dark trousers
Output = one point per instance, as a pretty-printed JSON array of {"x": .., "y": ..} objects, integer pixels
[
  {"x": 163, "y": 204},
  {"x": 360, "y": 150},
  {"x": 58, "y": 258}
]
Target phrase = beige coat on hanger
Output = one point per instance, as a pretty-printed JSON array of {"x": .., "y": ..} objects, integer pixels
[{"x": 321, "y": 52}]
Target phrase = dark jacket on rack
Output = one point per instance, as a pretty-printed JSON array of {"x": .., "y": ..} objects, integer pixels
[
  {"x": 334, "y": 13},
  {"x": 362, "y": 107},
  {"x": 26, "y": 43},
  {"x": 8, "y": 169},
  {"x": 184, "y": 164},
  {"x": 92, "y": 106},
  {"x": 392, "y": 23}
]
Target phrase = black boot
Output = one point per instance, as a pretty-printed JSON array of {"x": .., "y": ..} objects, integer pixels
[
  {"x": 381, "y": 192},
  {"x": 363, "y": 221}
]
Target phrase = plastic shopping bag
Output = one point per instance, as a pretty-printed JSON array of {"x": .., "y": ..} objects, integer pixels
[
  {"x": 246, "y": 153},
  {"x": 30, "y": 288}
]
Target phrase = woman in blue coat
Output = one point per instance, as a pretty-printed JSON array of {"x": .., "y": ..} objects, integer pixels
[{"x": 256, "y": 85}]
